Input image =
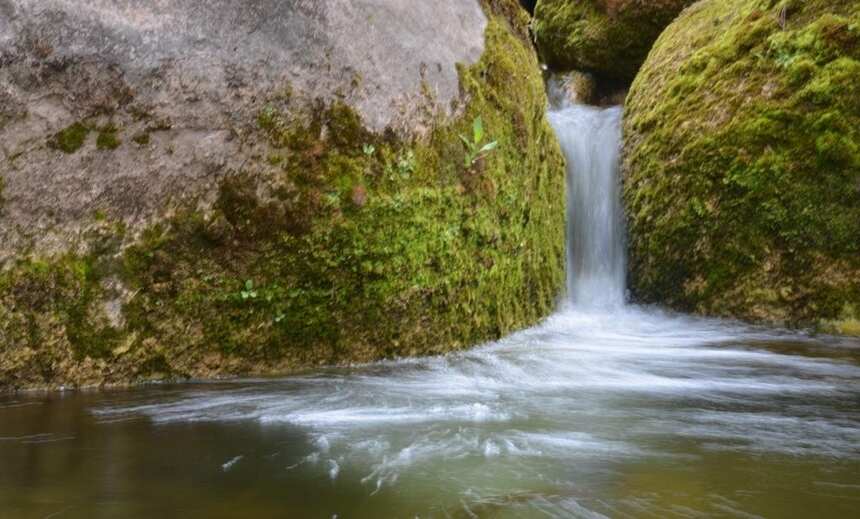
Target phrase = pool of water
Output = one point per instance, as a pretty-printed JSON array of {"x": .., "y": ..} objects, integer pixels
[{"x": 624, "y": 413}]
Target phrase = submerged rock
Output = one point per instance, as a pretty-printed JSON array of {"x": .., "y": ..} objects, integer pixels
[
  {"x": 742, "y": 163},
  {"x": 609, "y": 37},
  {"x": 216, "y": 188}
]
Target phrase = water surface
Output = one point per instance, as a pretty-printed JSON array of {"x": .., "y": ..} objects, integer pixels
[{"x": 629, "y": 413}]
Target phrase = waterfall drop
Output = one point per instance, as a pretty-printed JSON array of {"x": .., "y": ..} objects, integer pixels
[{"x": 590, "y": 138}]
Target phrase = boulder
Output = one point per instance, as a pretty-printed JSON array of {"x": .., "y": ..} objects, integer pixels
[
  {"x": 217, "y": 188},
  {"x": 742, "y": 163},
  {"x": 608, "y": 37}
]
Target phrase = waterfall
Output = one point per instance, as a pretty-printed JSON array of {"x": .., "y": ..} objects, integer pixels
[{"x": 590, "y": 138}]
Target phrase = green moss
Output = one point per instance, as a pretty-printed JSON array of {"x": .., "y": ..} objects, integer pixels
[
  {"x": 51, "y": 306},
  {"x": 847, "y": 323},
  {"x": 141, "y": 139},
  {"x": 429, "y": 259},
  {"x": 340, "y": 254},
  {"x": 107, "y": 138},
  {"x": 611, "y": 38},
  {"x": 267, "y": 117},
  {"x": 742, "y": 169},
  {"x": 71, "y": 138}
]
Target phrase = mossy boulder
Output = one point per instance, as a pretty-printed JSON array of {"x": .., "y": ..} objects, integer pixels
[
  {"x": 742, "y": 163},
  {"x": 608, "y": 37},
  {"x": 328, "y": 239}
]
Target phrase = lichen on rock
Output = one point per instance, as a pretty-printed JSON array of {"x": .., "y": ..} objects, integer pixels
[
  {"x": 742, "y": 163},
  {"x": 608, "y": 37}
]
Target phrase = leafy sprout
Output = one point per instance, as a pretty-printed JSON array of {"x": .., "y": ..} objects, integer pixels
[
  {"x": 249, "y": 292},
  {"x": 474, "y": 150}
]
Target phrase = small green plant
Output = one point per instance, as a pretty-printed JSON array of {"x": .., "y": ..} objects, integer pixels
[
  {"x": 474, "y": 150},
  {"x": 403, "y": 166},
  {"x": 248, "y": 292},
  {"x": 406, "y": 163},
  {"x": 368, "y": 150}
]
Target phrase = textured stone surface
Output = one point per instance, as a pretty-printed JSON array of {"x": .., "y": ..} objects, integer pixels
[
  {"x": 609, "y": 37},
  {"x": 225, "y": 188},
  {"x": 188, "y": 78},
  {"x": 742, "y": 163}
]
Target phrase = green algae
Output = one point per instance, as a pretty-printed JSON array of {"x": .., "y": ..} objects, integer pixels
[
  {"x": 142, "y": 139},
  {"x": 742, "y": 166},
  {"x": 52, "y": 322}
]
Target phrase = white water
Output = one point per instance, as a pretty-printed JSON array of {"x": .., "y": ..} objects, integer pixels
[
  {"x": 539, "y": 421},
  {"x": 547, "y": 418},
  {"x": 590, "y": 139}
]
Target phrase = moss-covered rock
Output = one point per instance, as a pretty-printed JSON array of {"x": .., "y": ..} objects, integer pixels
[
  {"x": 609, "y": 37},
  {"x": 102, "y": 110},
  {"x": 354, "y": 245},
  {"x": 742, "y": 163}
]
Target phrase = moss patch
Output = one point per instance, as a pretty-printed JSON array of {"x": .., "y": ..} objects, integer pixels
[
  {"x": 142, "y": 139},
  {"x": 742, "y": 168},
  {"x": 609, "y": 37},
  {"x": 52, "y": 322},
  {"x": 107, "y": 138},
  {"x": 71, "y": 138},
  {"x": 354, "y": 246}
]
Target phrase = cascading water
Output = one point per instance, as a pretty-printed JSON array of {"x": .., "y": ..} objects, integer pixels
[
  {"x": 604, "y": 410},
  {"x": 590, "y": 139}
]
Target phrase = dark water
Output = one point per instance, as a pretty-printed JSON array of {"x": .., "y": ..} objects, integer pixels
[{"x": 630, "y": 413}]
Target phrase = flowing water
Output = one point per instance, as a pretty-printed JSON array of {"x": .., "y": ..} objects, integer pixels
[
  {"x": 590, "y": 138},
  {"x": 604, "y": 410}
]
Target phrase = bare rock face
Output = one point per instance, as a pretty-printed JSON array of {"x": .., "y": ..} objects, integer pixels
[{"x": 117, "y": 107}]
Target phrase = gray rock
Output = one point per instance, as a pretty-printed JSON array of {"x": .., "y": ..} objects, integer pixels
[{"x": 183, "y": 81}]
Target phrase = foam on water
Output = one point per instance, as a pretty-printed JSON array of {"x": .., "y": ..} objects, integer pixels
[{"x": 582, "y": 386}]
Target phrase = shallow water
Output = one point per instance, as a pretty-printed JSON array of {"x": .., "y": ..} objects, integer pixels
[{"x": 630, "y": 413}]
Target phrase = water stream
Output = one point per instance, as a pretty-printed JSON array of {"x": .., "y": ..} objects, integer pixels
[
  {"x": 604, "y": 410},
  {"x": 590, "y": 139}
]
